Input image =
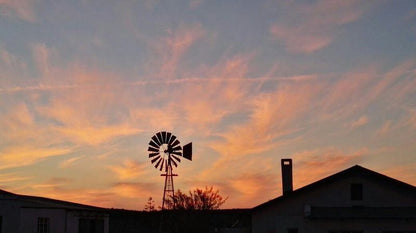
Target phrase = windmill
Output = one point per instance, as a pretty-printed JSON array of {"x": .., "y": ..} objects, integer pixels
[{"x": 164, "y": 151}]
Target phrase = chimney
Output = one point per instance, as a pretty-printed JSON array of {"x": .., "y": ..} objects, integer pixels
[{"x": 287, "y": 182}]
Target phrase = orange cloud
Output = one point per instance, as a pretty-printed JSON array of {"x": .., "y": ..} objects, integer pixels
[
  {"x": 24, "y": 155},
  {"x": 403, "y": 172},
  {"x": 70, "y": 162},
  {"x": 272, "y": 115},
  {"x": 310, "y": 166},
  {"x": 130, "y": 169},
  {"x": 251, "y": 188},
  {"x": 7, "y": 178}
]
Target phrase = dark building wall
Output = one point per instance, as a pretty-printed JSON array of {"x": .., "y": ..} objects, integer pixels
[{"x": 124, "y": 221}]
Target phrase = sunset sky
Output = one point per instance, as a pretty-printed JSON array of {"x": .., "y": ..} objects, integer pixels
[{"x": 85, "y": 84}]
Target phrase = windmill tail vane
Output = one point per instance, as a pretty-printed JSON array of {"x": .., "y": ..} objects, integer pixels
[{"x": 164, "y": 151}]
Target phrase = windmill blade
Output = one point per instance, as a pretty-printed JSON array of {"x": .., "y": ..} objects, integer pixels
[
  {"x": 158, "y": 162},
  {"x": 164, "y": 137},
  {"x": 152, "y": 149},
  {"x": 177, "y": 148},
  {"x": 153, "y": 160},
  {"x": 152, "y": 143},
  {"x": 161, "y": 166},
  {"x": 176, "y": 142},
  {"x": 172, "y": 139},
  {"x": 187, "y": 151},
  {"x": 174, "y": 163},
  {"x": 168, "y": 136},
  {"x": 177, "y": 153},
  {"x": 159, "y": 136},
  {"x": 153, "y": 154},
  {"x": 154, "y": 138},
  {"x": 177, "y": 159}
]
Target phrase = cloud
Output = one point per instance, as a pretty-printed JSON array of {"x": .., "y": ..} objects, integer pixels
[
  {"x": 170, "y": 49},
  {"x": 403, "y": 172},
  {"x": 24, "y": 155},
  {"x": 193, "y": 4},
  {"x": 6, "y": 178},
  {"x": 312, "y": 27},
  {"x": 272, "y": 116},
  {"x": 26, "y": 142},
  {"x": 82, "y": 103},
  {"x": 412, "y": 119},
  {"x": 363, "y": 120},
  {"x": 130, "y": 169},
  {"x": 250, "y": 188},
  {"x": 385, "y": 129},
  {"x": 308, "y": 165},
  {"x": 24, "y": 9},
  {"x": 70, "y": 162}
]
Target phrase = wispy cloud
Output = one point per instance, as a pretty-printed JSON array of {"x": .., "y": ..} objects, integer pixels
[
  {"x": 170, "y": 49},
  {"x": 363, "y": 120},
  {"x": 308, "y": 164},
  {"x": 314, "y": 26},
  {"x": 24, "y": 9},
  {"x": 70, "y": 162},
  {"x": 129, "y": 169},
  {"x": 24, "y": 155}
]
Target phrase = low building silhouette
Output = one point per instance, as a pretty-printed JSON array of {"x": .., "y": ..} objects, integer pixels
[{"x": 27, "y": 214}]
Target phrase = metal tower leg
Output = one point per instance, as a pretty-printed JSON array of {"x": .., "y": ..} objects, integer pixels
[{"x": 169, "y": 190}]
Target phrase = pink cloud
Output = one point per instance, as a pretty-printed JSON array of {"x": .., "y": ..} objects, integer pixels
[
  {"x": 171, "y": 49},
  {"x": 363, "y": 120},
  {"x": 412, "y": 119},
  {"x": 193, "y": 4},
  {"x": 385, "y": 129},
  {"x": 42, "y": 56},
  {"x": 24, "y": 9},
  {"x": 314, "y": 26}
]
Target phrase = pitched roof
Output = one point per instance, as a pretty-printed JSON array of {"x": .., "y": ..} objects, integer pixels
[
  {"x": 354, "y": 170},
  {"x": 43, "y": 202}
]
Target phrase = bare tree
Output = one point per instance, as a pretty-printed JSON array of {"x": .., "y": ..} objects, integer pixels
[
  {"x": 197, "y": 199},
  {"x": 150, "y": 205}
]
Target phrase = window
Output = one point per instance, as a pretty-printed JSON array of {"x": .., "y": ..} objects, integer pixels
[
  {"x": 43, "y": 225},
  {"x": 292, "y": 230},
  {"x": 87, "y": 225},
  {"x": 356, "y": 192}
]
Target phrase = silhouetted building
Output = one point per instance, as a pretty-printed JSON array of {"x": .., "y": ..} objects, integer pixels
[
  {"x": 356, "y": 200},
  {"x": 26, "y": 214}
]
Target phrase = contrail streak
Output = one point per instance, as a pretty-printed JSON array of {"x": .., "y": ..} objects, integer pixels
[{"x": 44, "y": 87}]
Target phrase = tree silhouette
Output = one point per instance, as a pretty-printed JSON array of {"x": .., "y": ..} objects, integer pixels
[
  {"x": 150, "y": 205},
  {"x": 197, "y": 199}
]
